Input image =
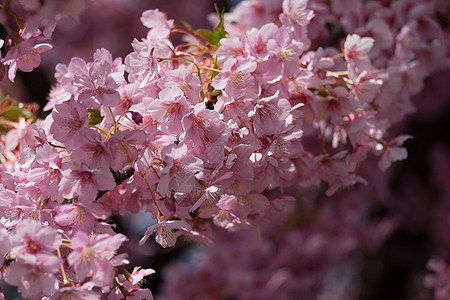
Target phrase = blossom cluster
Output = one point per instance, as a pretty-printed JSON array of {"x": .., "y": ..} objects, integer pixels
[
  {"x": 347, "y": 248},
  {"x": 29, "y": 26},
  {"x": 213, "y": 129},
  {"x": 291, "y": 256}
]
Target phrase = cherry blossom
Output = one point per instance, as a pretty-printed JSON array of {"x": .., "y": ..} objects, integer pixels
[
  {"x": 235, "y": 77},
  {"x": 179, "y": 172},
  {"x": 91, "y": 149},
  {"x": 125, "y": 147},
  {"x": 392, "y": 152},
  {"x": 93, "y": 255},
  {"x": 80, "y": 216},
  {"x": 32, "y": 239},
  {"x": 99, "y": 86},
  {"x": 34, "y": 280},
  {"x": 68, "y": 120},
  {"x": 169, "y": 109},
  {"x": 164, "y": 232},
  {"x": 356, "y": 52},
  {"x": 25, "y": 57},
  {"x": 5, "y": 242},
  {"x": 141, "y": 62},
  {"x": 185, "y": 80},
  {"x": 78, "y": 180},
  {"x": 75, "y": 293}
]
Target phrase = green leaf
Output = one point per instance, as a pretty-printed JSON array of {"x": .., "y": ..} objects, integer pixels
[
  {"x": 15, "y": 112},
  {"x": 323, "y": 93},
  {"x": 94, "y": 117},
  {"x": 219, "y": 33},
  {"x": 216, "y": 66},
  {"x": 205, "y": 34},
  {"x": 216, "y": 93},
  {"x": 186, "y": 24}
]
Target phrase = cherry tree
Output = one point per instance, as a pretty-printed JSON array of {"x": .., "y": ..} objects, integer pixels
[{"x": 212, "y": 132}]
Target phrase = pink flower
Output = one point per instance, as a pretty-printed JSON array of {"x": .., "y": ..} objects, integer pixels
[
  {"x": 295, "y": 12},
  {"x": 25, "y": 57},
  {"x": 285, "y": 52},
  {"x": 47, "y": 178},
  {"x": 269, "y": 115},
  {"x": 181, "y": 166},
  {"x": 141, "y": 63},
  {"x": 9, "y": 213},
  {"x": 183, "y": 79},
  {"x": 5, "y": 243},
  {"x": 232, "y": 47},
  {"x": 100, "y": 85},
  {"x": 335, "y": 105},
  {"x": 65, "y": 74},
  {"x": 47, "y": 14},
  {"x": 258, "y": 38},
  {"x": 335, "y": 171},
  {"x": 164, "y": 232},
  {"x": 126, "y": 146},
  {"x": 356, "y": 51},
  {"x": 138, "y": 274},
  {"x": 83, "y": 182},
  {"x": 237, "y": 212},
  {"x": 21, "y": 135},
  {"x": 203, "y": 126},
  {"x": 57, "y": 95},
  {"x": 155, "y": 19},
  {"x": 130, "y": 284},
  {"x": 32, "y": 239},
  {"x": 245, "y": 205},
  {"x": 68, "y": 120},
  {"x": 93, "y": 255},
  {"x": 91, "y": 150},
  {"x": 81, "y": 216},
  {"x": 238, "y": 162},
  {"x": 34, "y": 280},
  {"x": 75, "y": 293},
  {"x": 366, "y": 86},
  {"x": 235, "y": 76},
  {"x": 131, "y": 95},
  {"x": 392, "y": 152},
  {"x": 296, "y": 17},
  {"x": 316, "y": 60},
  {"x": 33, "y": 247},
  {"x": 213, "y": 191},
  {"x": 169, "y": 109}
]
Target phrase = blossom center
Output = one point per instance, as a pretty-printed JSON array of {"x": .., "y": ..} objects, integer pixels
[{"x": 32, "y": 247}]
